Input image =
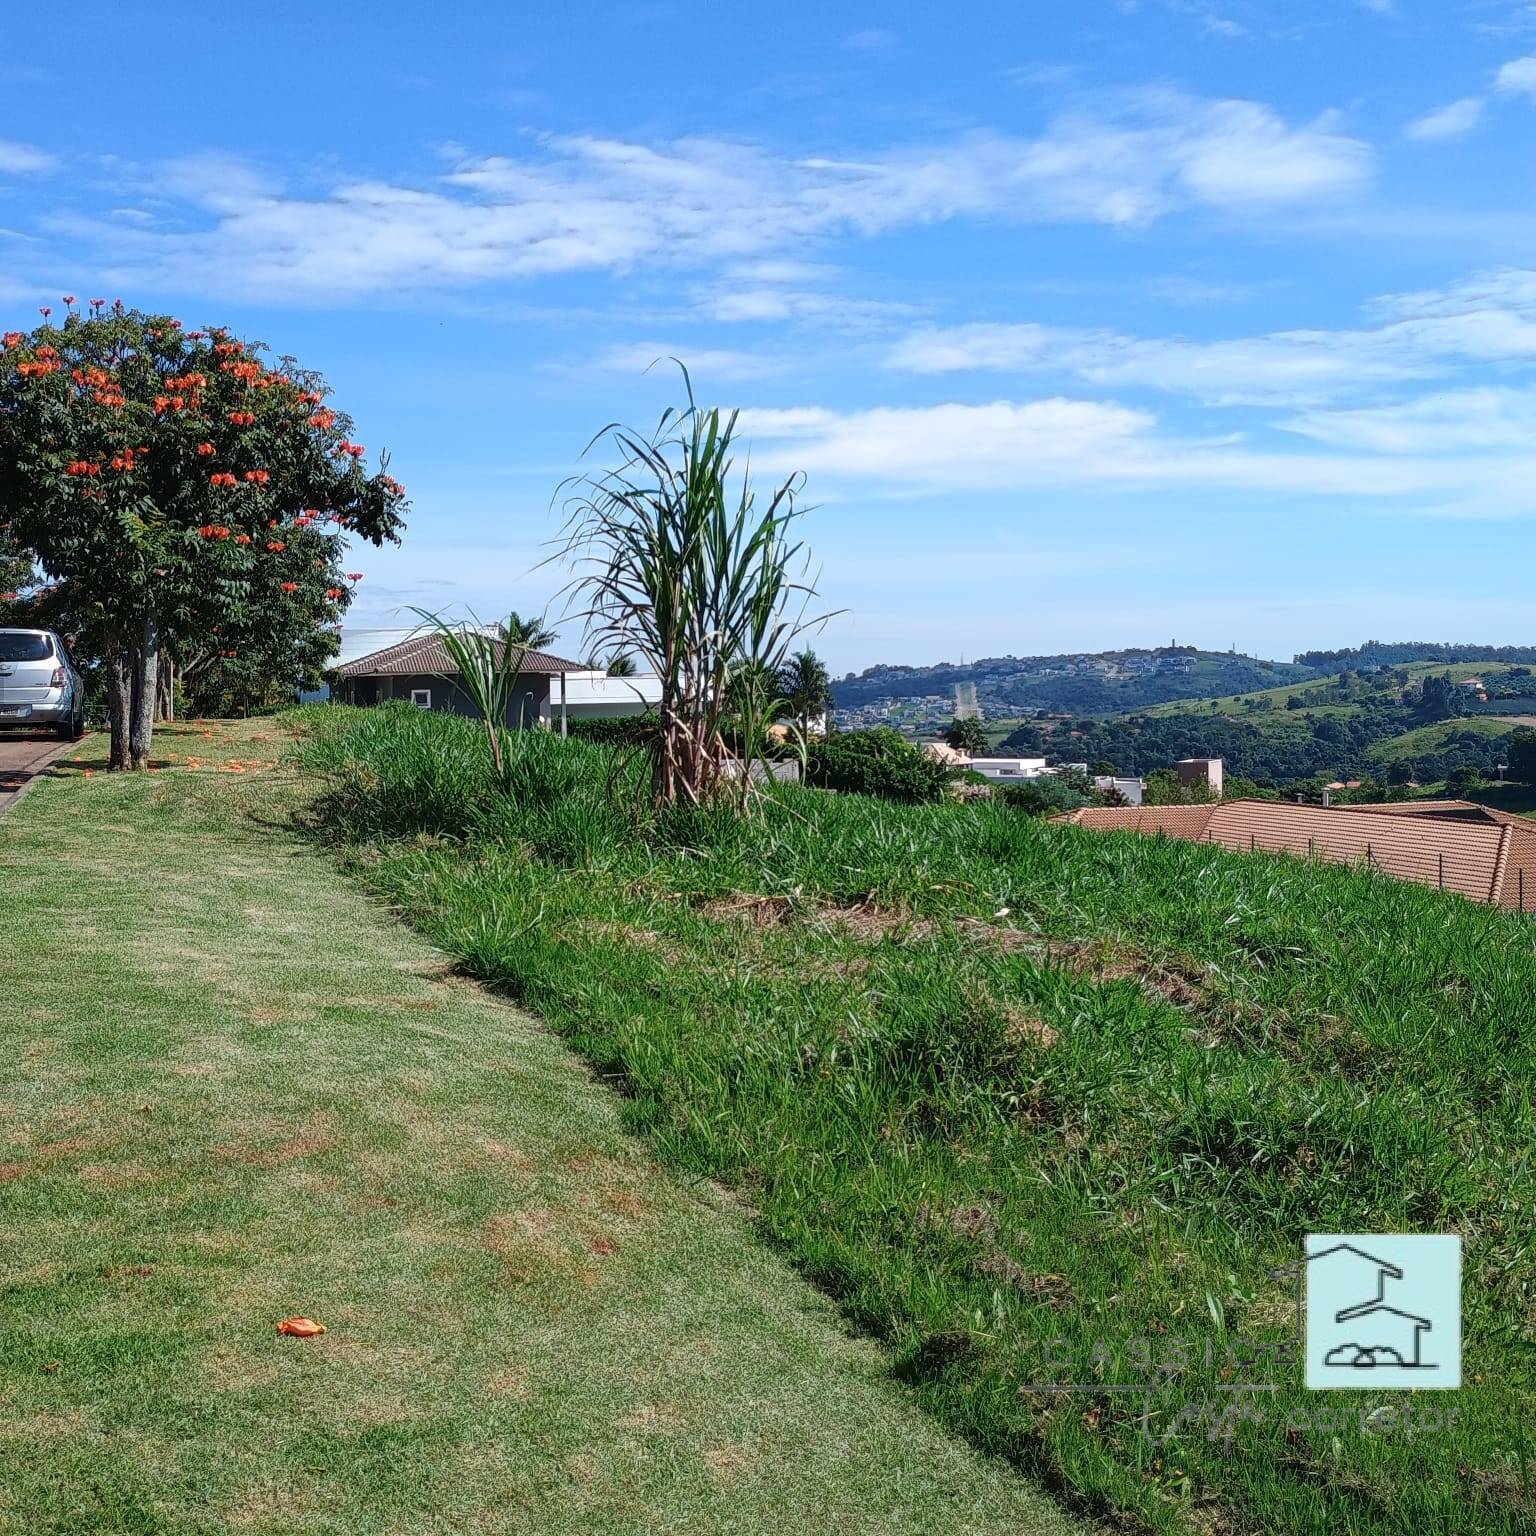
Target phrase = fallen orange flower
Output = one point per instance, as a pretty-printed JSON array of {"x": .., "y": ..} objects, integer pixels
[{"x": 301, "y": 1327}]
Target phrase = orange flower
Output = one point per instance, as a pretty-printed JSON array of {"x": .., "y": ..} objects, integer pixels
[
  {"x": 275, "y": 546},
  {"x": 205, "y": 450},
  {"x": 242, "y": 538},
  {"x": 288, "y": 586}
]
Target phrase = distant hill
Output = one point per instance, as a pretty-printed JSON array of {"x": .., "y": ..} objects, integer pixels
[
  {"x": 1081, "y": 683},
  {"x": 1351, "y": 725},
  {"x": 1397, "y": 653}
]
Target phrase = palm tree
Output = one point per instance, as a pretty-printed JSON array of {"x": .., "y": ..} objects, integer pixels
[
  {"x": 804, "y": 685},
  {"x": 532, "y": 634},
  {"x": 620, "y": 665}
]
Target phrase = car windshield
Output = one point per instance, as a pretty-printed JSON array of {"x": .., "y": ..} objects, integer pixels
[{"x": 24, "y": 645}]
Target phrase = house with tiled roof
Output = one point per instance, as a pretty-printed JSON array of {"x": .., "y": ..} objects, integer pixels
[
  {"x": 1482, "y": 854},
  {"x": 420, "y": 671}
]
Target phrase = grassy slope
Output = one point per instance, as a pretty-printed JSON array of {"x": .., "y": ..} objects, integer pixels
[
  {"x": 1319, "y": 700},
  {"x": 1429, "y": 739},
  {"x": 235, "y": 1090},
  {"x": 982, "y": 1143},
  {"x": 1317, "y": 695}
]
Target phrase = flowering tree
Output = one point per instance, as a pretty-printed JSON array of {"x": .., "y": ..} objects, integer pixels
[{"x": 180, "y": 493}]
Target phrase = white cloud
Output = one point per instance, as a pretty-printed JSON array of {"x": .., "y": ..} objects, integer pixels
[
  {"x": 1498, "y": 289},
  {"x": 588, "y": 203},
  {"x": 1518, "y": 77},
  {"x": 1486, "y": 319},
  {"x": 24, "y": 160},
  {"x": 1447, "y": 122},
  {"x": 221, "y": 182},
  {"x": 870, "y": 40},
  {"x": 1058, "y": 442},
  {"x": 706, "y": 365},
  {"x": 1458, "y": 421}
]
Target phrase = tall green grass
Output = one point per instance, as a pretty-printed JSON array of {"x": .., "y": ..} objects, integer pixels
[{"x": 996, "y": 1083}]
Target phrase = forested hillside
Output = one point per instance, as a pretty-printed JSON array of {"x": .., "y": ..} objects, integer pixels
[
  {"x": 1410, "y": 722},
  {"x": 1102, "y": 682}
]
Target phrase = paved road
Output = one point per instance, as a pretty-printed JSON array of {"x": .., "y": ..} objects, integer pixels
[{"x": 24, "y": 755}]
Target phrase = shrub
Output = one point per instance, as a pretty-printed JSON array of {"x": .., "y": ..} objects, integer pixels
[
  {"x": 1066, "y": 790},
  {"x": 615, "y": 730},
  {"x": 875, "y": 762}
]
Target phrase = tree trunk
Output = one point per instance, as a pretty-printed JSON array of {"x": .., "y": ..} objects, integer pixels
[
  {"x": 119, "y": 697},
  {"x": 146, "y": 668},
  {"x": 165, "y": 688}
]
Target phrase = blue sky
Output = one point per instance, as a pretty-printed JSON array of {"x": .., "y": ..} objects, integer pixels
[{"x": 1090, "y": 324}]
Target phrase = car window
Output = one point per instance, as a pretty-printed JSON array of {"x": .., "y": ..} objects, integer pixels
[{"x": 20, "y": 645}]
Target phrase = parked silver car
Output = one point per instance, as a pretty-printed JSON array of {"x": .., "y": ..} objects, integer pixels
[{"x": 39, "y": 685}]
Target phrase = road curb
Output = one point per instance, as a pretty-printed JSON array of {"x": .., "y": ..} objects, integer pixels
[{"x": 28, "y": 771}]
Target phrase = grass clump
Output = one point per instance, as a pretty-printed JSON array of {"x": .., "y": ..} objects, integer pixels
[{"x": 1031, "y": 1102}]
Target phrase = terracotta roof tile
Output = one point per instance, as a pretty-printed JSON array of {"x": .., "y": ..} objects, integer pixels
[{"x": 1482, "y": 859}]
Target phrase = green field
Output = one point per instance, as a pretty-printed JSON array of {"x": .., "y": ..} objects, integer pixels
[
  {"x": 1321, "y": 696},
  {"x": 1434, "y": 738},
  {"x": 236, "y": 1089},
  {"x": 1026, "y": 1100}
]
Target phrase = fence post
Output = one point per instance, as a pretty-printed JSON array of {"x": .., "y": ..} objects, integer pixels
[
  {"x": 1370, "y": 856},
  {"x": 1442, "y": 871}
]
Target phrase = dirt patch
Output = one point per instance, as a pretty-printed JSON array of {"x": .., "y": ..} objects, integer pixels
[
  {"x": 507, "y": 1155},
  {"x": 9, "y": 1171},
  {"x": 862, "y": 921},
  {"x": 743, "y": 907},
  {"x": 1180, "y": 983},
  {"x": 114, "y": 1175},
  {"x": 529, "y": 1245},
  {"x": 976, "y": 1226},
  {"x": 318, "y": 1136},
  {"x": 727, "y": 1459},
  {"x": 1027, "y": 1028},
  {"x": 618, "y": 933}
]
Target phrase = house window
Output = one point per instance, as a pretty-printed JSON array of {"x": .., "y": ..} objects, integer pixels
[{"x": 421, "y": 698}]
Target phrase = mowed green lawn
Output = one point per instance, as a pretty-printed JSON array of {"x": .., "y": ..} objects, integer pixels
[{"x": 235, "y": 1090}]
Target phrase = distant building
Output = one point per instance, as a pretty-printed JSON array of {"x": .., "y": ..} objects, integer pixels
[
  {"x": 951, "y": 757},
  {"x": 1008, "y": 770},
  {"x": 1195, "y": 772},
  {"x": 1132, "y": 791},
  {"x": 419, "y": 670},
  {"x": 592, "y": 694}
]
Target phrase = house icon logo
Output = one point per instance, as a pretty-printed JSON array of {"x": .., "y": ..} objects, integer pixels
[{"x": 1383, "y": 1311}]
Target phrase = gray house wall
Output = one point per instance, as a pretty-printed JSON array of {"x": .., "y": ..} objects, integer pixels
[{"x": 529, "y": 705}]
